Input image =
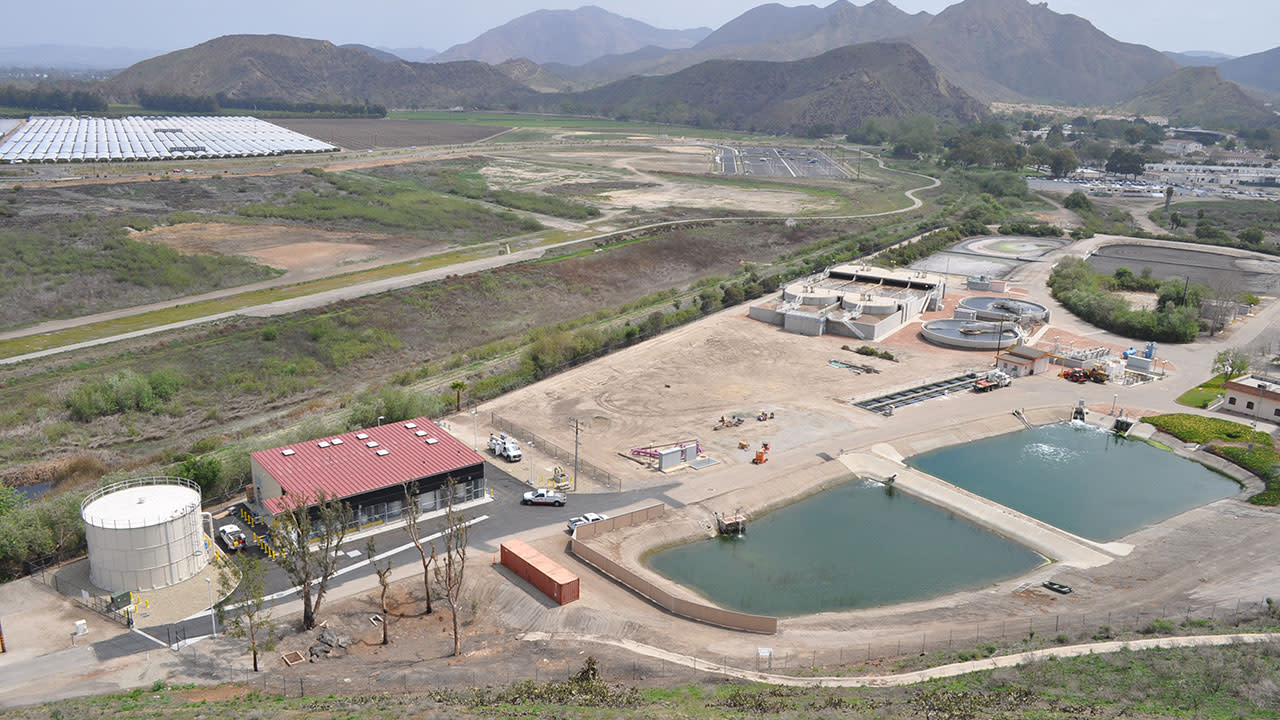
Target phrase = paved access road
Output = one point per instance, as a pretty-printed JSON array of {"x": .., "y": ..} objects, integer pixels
[{"x": 496, "y": 520}]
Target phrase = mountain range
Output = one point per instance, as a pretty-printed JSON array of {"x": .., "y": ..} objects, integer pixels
[
  {"x": 988, "y": 50},
  {"x": 816, "y": 95},
  {"x": 571, "y": 37},
  {"x": 302, "y": 70},
  {"x": 1199, "y": 96}
]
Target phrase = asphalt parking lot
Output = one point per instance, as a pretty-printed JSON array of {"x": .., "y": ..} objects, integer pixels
[{"x": 778, "y": 162}]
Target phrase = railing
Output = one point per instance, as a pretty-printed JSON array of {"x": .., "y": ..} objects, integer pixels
[{"x": 131, "y": 483}]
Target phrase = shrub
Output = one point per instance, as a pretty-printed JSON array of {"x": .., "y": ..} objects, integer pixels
[
  {"x": 1078, "y": 201},
  {"x": 203, "y": 471},
  {"x": 124, "y": 391},
  {"x": 392, "y": 404}
]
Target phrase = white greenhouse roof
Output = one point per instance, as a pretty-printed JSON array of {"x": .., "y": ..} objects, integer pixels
[{"x": 151, "y": 137}]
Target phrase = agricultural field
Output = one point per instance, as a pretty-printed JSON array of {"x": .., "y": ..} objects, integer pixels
[{"x": 368, "y": 134}]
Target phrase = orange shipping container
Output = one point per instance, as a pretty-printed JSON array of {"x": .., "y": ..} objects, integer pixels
[{"x": 539, "y": 570}]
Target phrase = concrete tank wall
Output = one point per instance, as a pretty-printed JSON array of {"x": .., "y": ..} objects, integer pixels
[{"x": 144, "y": 534}]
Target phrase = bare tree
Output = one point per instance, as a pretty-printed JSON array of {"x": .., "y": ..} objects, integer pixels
[
  {"x": 411, "y": 525},
  {"x": 450, "y": 569},
  {"x": 1222, "y": 298},
  {"x": 307, "y": 540},
  {"x": 383, "y": 569},
  {"x": 251, "y": 620}
]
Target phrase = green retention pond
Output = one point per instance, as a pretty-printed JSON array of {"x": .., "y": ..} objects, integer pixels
[
  {"x": 859, "y": 544},
  {"x": 862, "y": 544},
  {"x": 1079, "y": 477}
]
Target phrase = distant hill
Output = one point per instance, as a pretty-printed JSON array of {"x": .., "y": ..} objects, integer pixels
[
  {"x": 530, "y": 74},
  {"x": 831, "y": 92},
  {"x": 72, "y": 57},
  {"x": 994, "y": 49},
  {"x": 382, "y": 55},
  {"x": 414, "y": 54},
  {"x": 301, "y": 70},
  {"x": 768, "y": 32},
  {"x": 1011, "y": 49},
  {"x": 1199, "y": 96},
  {"x": 572, "y": 37},
  {"x": 1260, "y": 70},
  {"x": 1198, "y": 58}
]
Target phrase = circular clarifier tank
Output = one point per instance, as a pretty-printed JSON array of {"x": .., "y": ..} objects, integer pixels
[
  {"x": 971, "y": 334},
  {"x": 1006, "y": 309}
]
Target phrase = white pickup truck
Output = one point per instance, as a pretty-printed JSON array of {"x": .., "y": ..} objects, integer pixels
[
  {"x": 544, "y": 496},
  {"x": 232, "y": 537},
  {"x": 505, "y": 446}
]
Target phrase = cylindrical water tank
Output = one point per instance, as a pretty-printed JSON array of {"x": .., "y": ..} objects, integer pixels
[{"x": 144, "y": 534}]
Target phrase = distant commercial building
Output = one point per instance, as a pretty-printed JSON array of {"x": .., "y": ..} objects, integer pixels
[
  {"x": 370, "y": 469},
  {"x": 1220, "y": 175}
]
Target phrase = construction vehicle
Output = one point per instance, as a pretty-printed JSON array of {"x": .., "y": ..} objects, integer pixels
[
  {"x": 762, "y": 455},
  {"x": 992, "y": 380},
  {"x": 505, "y": 446},
  {"x": 1076, "y": 375},
  {"x": 1099, "y": 375}
]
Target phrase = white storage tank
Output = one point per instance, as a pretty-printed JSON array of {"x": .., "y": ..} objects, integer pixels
[{"x": 144, "y": 533}]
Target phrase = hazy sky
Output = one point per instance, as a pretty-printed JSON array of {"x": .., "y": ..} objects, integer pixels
[{"x": 1236, "y": 27}]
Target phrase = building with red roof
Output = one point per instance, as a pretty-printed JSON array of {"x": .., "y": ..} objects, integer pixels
[{"x": 369, "y": 469}]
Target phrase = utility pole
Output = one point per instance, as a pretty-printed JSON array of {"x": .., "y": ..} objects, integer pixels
[{"x": 577, "y": 428}]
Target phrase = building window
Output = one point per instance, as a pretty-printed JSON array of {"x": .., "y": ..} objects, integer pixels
[
  {"x": 1231, "y": 401},
  {"x": 1248, "y": 405}
]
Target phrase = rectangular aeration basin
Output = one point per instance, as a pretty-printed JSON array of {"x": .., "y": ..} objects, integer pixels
[{"x": 540, "y": 571}]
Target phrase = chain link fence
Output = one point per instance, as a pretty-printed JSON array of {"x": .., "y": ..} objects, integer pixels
[
  {"x": 597, "y": 475},
  {"x": 86, "y": 596}
]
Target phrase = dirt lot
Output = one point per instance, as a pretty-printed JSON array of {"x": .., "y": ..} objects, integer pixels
[
  {"x": 357, "y": 134},
  {"x": 659, "y": 191},
  {"x": 303, "y": 252}
]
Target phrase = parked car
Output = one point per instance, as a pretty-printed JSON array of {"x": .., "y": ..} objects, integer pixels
[
  {"x": 544, "y": 496},
  {"x": 232, "y": 537},
  {"x": 586, "y": 519}
]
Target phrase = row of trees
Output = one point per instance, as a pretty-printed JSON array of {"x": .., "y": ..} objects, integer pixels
[
  {"x": 178, "y": 102},
  {"x": 51, "y": 99},
  {"x": 308, "y": 541}
]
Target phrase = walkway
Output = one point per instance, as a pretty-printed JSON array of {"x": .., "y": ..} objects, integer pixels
[{"x": 917, "y": 676}]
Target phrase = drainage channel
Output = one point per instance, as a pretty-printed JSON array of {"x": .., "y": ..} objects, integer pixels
[{"x": 885, "y": 404}]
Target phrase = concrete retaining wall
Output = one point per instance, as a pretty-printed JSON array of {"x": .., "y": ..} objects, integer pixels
[{"x": 685, "y": 608}]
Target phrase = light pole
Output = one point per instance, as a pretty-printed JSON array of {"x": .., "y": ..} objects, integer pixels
[
  {"x": 530, "y": 463},
  {"x": 475, "y": 431},
  {"x": 213, "y": 619}
]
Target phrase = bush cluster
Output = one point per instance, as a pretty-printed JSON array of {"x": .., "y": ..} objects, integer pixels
[
  {"x": 1085, "y": 293},
  {"x": 1031, "y": 229},
  {"x": 124, "y": 391}
]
